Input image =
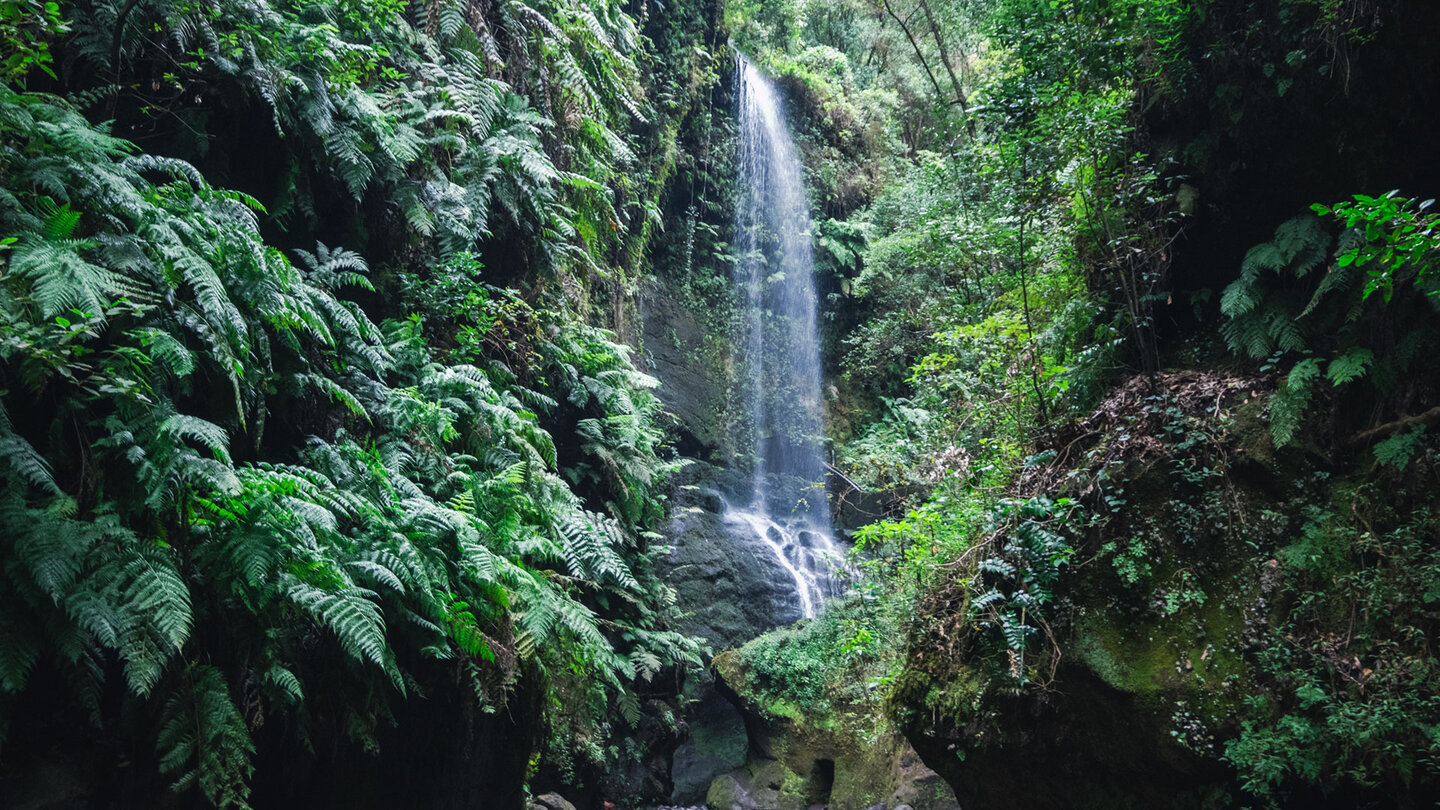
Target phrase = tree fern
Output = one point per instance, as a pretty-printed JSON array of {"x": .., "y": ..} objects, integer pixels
[
  {"x": 47, "y": 548},
  {"x": 209, "y": 435}
]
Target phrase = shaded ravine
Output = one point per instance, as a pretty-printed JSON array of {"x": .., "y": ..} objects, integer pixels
[{"x": 787, "y": 511}]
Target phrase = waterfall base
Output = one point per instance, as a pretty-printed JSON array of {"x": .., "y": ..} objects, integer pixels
[{"x": 806, "y": 552}]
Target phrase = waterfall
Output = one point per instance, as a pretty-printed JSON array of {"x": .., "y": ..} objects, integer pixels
[{"x": 787, "y": 509}]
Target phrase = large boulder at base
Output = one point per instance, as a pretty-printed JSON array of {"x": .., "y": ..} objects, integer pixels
[
  {"x": 716, "y": 745},
  {"x": 827, "y": 760},
  {"x": 729, "y": 586}
]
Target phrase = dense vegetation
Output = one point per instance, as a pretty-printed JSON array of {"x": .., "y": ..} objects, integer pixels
[
  {"x": 322, "y": 442},
  {"x": 1125, "y": 482},
  {"x": 253, "y": 477}
]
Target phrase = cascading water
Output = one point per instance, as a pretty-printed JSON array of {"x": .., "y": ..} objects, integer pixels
[{"x": 787, "y": 509}]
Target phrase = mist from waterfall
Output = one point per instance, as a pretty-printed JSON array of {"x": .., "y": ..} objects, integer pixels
[{"x": 775, "y": 271}]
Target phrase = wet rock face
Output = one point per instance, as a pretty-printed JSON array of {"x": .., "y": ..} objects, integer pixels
[
  {"x": 728, "y": 591},
  {"x": 1090, "y": 747},
  {"x": 775, "y": 785},
  {"x": 689, "y": 356},
  {"x": 756, "y": 787},
  {"x": 550, "y": 801},
  {"x": 716, "y": 745}
]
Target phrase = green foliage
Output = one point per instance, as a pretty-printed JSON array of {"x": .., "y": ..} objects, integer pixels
[
  {"x": 902, "y": 557},
  {"x": 411, "y": 107},
  {"x": 1264, "y": 319},
  {"x": 1288, "y": 406},
  {"x": 827, "y": 672},
  {"x": 1016, "y": 255},
  {"x": 1392, "y": 238},
  {"x": 203, "y": 737},
  {"x": 1356, "y": 708},
  {"x": 1281, "y": 305},
  {"x": 1398, "y": 450},
  {"x": 1014, "y": 580},
  {"x": 220, "y": 474},
  {"x": 1013, "y": 255},
  {"x": 26, "y": 26}
]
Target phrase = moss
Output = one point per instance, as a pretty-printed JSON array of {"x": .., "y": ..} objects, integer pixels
[
  {"x": 1249, "y": 430},
  {"x": 1127, "y": 658},
  {"x": 1194, "y": 650},
  {"x": 781, "y": 707}
]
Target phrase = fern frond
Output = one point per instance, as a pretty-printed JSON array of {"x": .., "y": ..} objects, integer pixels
[
  {"x": 155, "y": 591},
  {"x": 26, "y": 462},
  {"x": 377, "y": 573},
  {"x": 589, "y": 541},
  {"x": 203, "y": 739},
  {"x": 19, "y": 650},
  {"x": 210, "y": 435},
  {"x": 166, "y": 351},
  {"x": 355, "y": 620},
  {"x": 1288, "y": 404},
  {"x": 1239, "y": 298},
  {"x": 61, "y": 279},
  {"x": 1349, "y": 365},
  {"x": 286, "y": 683}
]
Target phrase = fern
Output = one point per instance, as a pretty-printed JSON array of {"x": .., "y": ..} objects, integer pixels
[
  {"x": 155, "y": 590},
  {"x": 22, "y": 458},
  {"x": 986, "y": 600},
  {"x": 589, "y": 543},
  {"x": 1349, "y": 365},
  {"x": 286, "y": 683},
  {"x": 1290, "y": 401},
  {"x": 1264, "y": 305},
  {"x": 19, "y": 650},
  {"x": 169, "y": 353},
  {"x": 61, "y": 279},
  {"x": 203, "y": 741},
  {"x": 1015, "y": 631},
  {"x": 424, "y": 520},
  {"x": 355, "y": 620},
  {"x": 211, "y": 436},
  {"x": 1397, "y": 450}
]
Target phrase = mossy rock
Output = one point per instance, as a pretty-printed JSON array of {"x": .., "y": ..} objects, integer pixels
[{"x": 845, "y": 758}]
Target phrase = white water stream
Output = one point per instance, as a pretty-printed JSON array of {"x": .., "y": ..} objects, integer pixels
[{"x": 788, "y": 511}]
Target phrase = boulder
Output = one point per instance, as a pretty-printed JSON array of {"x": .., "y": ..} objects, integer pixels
[
  {"x": 551, "y": 801},
  {"x": 828, "y": 760},
  {"x": 716, "y": 745},
  {"x": 731, "y": 791},
  {"x": 729, "y": 587}
]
